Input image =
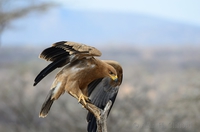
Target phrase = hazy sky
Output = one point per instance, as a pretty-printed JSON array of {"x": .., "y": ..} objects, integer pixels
[
  {"x": 181, "y": 10},
  {"x": 54, "y": 25}
]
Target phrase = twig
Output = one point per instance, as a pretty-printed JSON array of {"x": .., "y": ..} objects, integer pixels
[
  {"x": 101, "y": 123},
  {"x": 93, "y": 109},
  {"x": 100, "y": 115}
]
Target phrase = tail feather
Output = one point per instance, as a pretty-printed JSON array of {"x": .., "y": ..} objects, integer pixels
[{"x": 47, "y": 104}]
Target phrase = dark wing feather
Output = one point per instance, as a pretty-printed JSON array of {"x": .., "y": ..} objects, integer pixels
[
  {"x": 52, "y": 66},
  {"x": 92, "y": 85},
  {"x": 53, "y": 53},
  {"x": 100, "y": 92}
]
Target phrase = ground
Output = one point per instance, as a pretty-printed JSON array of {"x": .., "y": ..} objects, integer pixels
[{"x": 160, "y": 92}]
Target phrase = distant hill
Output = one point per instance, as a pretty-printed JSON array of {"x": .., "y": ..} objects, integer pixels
[
  {"x": 129, "y": 28},
  {"x": 104, "y": 28}
]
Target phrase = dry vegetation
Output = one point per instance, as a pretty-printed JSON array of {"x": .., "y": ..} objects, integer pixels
[{"x": 160, "y": 92}]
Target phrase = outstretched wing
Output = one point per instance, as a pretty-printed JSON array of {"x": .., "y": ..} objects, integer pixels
[
  {"x": 101, "y": 91},
  {"x": 62, "y": 53}
]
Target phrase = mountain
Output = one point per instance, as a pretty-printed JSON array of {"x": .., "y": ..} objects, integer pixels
[{"x": 131, "y": 28}]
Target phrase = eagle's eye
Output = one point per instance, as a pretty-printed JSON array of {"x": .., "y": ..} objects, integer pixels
[{"x": 111, "y": 73}]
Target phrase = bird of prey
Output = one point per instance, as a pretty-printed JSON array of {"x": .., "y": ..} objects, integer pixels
[{"x": 91, "y": 81}]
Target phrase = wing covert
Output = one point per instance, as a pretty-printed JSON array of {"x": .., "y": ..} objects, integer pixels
[{"x": 67, "y": 48}]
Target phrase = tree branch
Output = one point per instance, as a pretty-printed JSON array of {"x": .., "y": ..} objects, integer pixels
[
  {"x": 100, "y": 115},
  {"x": 7, "y": 16},
  {"x": 101, "y": 123}
]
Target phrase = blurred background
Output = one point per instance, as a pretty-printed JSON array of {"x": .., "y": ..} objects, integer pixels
[{"x": 156, "y": 42}]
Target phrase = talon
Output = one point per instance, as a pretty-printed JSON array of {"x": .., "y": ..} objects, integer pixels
[{"x": 84, "y": 98}]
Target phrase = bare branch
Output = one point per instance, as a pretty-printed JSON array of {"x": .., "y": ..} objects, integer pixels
[
  {"x": 101, "y": 123},
  {"x": 7, "y": 16},
  {"x": 100, "y": 115}
]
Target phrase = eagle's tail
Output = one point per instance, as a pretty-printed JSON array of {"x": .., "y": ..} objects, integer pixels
[{"x": 47, "y": 104}]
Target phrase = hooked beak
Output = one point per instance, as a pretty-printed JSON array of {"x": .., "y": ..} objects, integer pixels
[{"x": 114, "y": 77}]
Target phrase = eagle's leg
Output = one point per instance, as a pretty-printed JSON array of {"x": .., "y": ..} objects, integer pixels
[
  {"x": 78, "y": 94},
  {"x": 81, "y": 98},
  {"x": 84, "y": 100}
]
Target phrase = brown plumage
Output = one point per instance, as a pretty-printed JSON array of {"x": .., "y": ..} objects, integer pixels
[{"x": 90, "y": 80}]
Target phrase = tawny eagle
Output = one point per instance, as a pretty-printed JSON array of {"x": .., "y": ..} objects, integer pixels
[{"x": 91, "y": 81}]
